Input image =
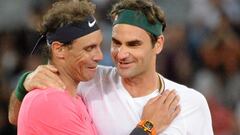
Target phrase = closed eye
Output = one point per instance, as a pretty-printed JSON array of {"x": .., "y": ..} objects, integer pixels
[
  {"x": 90, "y": 48},
  {"x": 116, "y": 42},
  {"x": 134, "y": 43}
]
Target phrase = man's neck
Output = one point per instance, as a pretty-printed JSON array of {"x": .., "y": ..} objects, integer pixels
[
  {"x": 71, "y": 85},
  {"x": 69, "y": 82},
  {"x": 141, "y": 85}
]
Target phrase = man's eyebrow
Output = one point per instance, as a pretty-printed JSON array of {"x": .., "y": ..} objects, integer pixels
[
  {"x": 116, "y": 40},
  {"x": 134, "y": 42}
]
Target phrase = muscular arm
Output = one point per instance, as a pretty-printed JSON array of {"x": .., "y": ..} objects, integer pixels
[{"x": 13, "y": 110}]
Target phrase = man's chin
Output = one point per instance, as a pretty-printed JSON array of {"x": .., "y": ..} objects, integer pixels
[
  {"x": 88, "y": 77},
  {"x": 124, "y": 73}
]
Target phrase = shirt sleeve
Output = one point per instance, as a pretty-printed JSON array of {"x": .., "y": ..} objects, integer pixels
[
  {"x": 194, "y": 118},
  {"x": 199, "y": 121}
]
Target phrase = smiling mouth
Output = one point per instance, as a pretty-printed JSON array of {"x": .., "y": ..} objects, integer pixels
[
  {"x": 93, "y": 68},
  {"x": 122, "y": 64}
]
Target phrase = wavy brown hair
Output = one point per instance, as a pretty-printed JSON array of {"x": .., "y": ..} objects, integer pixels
[{"x": 66, "y": 12}]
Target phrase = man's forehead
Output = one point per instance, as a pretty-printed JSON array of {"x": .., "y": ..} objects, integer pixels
[
  {"x": 128, "y": 33},
  {"x": 127, "y": 28}
]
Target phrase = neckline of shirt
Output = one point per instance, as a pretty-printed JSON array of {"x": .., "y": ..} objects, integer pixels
[{"x": 152, "y": 94}]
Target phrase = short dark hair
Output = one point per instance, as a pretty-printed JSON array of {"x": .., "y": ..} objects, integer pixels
[{"x": 147, "y": 7}]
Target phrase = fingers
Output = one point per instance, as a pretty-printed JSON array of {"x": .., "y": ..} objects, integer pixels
[
  {"x": 174, "y": 103},
  {"x": 170, "y": 98},
  {"x": 44, "y": 76},
  {"x": 152, "y": 100},
  {"x": 51, "y": 79},
  {"x": 163, "y": 97},
  {"x": 162, "y": 110},
  {"x": 50, "y": 74},
  {"x": 175, "y": 112},
  {"x": 51, "y": 68},
  {"x": 166, "y": 98},
  {"x": 160, "y": 98}
]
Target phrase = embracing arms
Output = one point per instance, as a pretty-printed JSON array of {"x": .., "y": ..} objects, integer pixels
[{"x": 160, "y": 110}]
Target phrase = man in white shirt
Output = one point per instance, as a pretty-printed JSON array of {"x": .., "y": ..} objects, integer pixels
[{"x": 116, "y": 96}]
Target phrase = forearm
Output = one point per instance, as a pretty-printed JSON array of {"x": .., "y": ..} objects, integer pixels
[
  {"x": 16, "y": 99},
  {"x": 13, "y": 110}
]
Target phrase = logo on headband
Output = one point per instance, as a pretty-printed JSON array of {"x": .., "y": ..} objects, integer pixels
[
  {"x": 91, "y": 24},
  {"x": 115, "y": 18}
]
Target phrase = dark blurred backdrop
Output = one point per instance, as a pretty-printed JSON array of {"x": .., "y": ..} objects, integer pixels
[{"x": 202, "y": 50}]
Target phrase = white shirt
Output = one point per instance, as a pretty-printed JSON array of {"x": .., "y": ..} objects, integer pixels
[{"x": 115, "y": 112}]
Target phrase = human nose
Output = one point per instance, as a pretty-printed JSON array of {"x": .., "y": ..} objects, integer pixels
[
  {"x": 98, "y": 55},
  {"x": 122, "y": 52}
]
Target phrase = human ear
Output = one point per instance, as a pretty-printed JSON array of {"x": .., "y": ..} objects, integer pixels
[
  {"x": 58, "y": 50},
  {"x": 159, "y": 44}
]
